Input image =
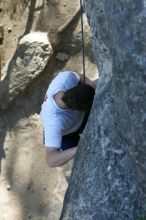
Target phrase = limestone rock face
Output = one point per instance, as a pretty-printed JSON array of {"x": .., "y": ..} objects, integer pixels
[
  {"x": 108, "y": 178},
  {"x": 29, "y": 60}
]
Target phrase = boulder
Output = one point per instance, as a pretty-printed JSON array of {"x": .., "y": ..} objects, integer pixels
[
  {"x": 62, "y": 56},
  {"x": 109, "y": 173},
  {"x": 33, "y": 52}
]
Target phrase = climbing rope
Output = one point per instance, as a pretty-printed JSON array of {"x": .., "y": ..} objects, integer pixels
[{"x": 82, "y": 31}]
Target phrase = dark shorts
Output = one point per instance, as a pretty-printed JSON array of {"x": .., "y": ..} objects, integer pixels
[{"x": 71, "y": 140}]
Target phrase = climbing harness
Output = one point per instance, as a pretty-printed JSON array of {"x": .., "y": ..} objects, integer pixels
[{"x": 82, "y": 31}]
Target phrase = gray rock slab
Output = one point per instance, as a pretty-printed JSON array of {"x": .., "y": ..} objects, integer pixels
[{"x": 109, "y": 173}]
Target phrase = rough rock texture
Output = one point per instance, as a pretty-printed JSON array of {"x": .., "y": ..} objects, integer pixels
[
  {"x": 108, "y": 178},
  {"x": 32, "y": 55}
]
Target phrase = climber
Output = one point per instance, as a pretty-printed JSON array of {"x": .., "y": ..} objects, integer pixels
[{"x": 64, "y": 114}]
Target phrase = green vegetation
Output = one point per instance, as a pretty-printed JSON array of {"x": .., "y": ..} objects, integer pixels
[{"x": 141, "y": 218}]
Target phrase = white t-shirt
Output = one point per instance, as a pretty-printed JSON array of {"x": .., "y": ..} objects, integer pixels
[{"x": 55, "y": 120}]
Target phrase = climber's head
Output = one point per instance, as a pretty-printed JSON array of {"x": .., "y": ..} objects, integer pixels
[{"x": 79, "y": 97}]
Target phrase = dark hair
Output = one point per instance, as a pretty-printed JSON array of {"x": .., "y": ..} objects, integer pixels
[{"x": 79, "y": 97}]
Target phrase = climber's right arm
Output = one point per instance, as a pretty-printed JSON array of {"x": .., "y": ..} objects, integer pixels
[{"x": 57, "y": 158}]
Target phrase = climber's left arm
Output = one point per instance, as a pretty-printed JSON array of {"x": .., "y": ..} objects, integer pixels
[{"x": 87, "y": 80}]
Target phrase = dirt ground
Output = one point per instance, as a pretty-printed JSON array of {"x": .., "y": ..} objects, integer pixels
[{"x": 29, "y": 189}]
